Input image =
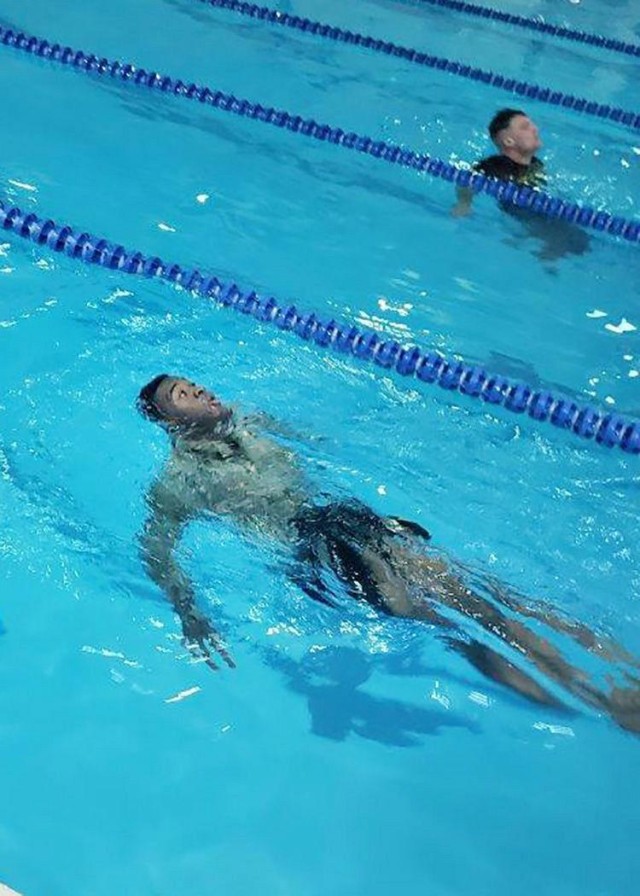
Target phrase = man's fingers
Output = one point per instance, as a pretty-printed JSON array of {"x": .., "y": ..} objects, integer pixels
[
  {"x": 226, "y": 656},
  {"x": 210, "y": 663},
  {"x": 217, "y": 645},
  {"x": 206, "y": 643},
  {"x": 200, "y": 650}
]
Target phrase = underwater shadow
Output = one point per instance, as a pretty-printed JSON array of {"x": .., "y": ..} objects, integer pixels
[{"x": 330, "y": 680}]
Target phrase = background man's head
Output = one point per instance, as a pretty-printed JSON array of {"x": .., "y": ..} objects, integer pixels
[
  {"x": 180, "y": 404},
  {"x": 515, "y": 134}
]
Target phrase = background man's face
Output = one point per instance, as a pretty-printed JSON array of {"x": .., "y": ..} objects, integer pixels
[{"x": 522, "y": 135}]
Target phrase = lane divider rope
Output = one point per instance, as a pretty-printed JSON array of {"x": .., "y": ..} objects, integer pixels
[
  {"x": 497, "y": 15},
  {"x": 507, "y": 191},
  {"x": 493, "y": 79},
  {"x": 607, "y": 429}
]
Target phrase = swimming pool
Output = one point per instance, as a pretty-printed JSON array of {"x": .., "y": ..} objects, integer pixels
[{"x": 347, "y": 752}]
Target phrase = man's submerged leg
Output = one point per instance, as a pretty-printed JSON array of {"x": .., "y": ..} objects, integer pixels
[
  {"x": 384, "y": 568},
  {"x": 497, "y": 668}
]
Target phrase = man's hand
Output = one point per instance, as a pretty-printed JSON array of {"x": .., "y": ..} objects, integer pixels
[
  {"x": 462, "y": 208},
  {"x": 202, "y": 639}
]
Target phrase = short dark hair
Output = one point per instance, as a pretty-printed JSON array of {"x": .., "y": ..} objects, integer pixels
[
  {"x": 502, "y": 120},
  {"x": 146, "y": 402}
]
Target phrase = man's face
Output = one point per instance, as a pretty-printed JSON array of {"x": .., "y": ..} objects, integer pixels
[
  {"x": 187, "y": 404},
  {"x": 521, "y": 135}
]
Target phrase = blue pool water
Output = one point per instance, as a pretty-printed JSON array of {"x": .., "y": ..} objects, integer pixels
[{"x": 347, "y": 753}]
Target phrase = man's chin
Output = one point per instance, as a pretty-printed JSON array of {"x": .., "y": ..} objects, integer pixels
[
  {"x": 219, "y": 422},
  {"x": 223, "y": 415},
  {"x": 208, "y": 426}
]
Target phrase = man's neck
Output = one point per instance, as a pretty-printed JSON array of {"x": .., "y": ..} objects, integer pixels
[
  {"x": 521, "y": 158},
  {"x": 200, "y": 438}
]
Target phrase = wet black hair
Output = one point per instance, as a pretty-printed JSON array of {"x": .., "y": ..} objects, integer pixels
[
  {"x": 146, "y": 402},
  {"x": 502, "y": 120}
]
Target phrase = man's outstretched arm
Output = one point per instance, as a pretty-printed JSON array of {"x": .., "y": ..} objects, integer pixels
[{"x": 158, "y": 542}]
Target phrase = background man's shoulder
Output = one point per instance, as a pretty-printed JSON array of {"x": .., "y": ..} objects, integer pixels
[{"x": 494, "y": 166}]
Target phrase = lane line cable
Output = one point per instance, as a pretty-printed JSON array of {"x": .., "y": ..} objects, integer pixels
[
  {"x": 539, "y": 25},
  {"x": 506, "y": 191},
  {"x": 453, "y": 67},
  {"x": 607, "y": 429}
]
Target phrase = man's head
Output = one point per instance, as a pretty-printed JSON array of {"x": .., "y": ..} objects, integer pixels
[
  {"x": 182, "y": 406},
  {"x": 515, "y": 134}
]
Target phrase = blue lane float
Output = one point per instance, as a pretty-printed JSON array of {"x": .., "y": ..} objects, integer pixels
[
  {"x": 522, "y": 196},
  {"x": 587, "y": 422},
  {"x": 452, "y": 67},
  {"x": 542, "y": 27}
]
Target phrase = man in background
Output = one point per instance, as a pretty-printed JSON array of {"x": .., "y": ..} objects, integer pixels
[{"x": 517, "y": 138}]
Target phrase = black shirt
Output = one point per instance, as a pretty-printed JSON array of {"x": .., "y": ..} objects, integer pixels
[
  {"x": 504, "y": 168},
  {"x": 558, "y": 237}
]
